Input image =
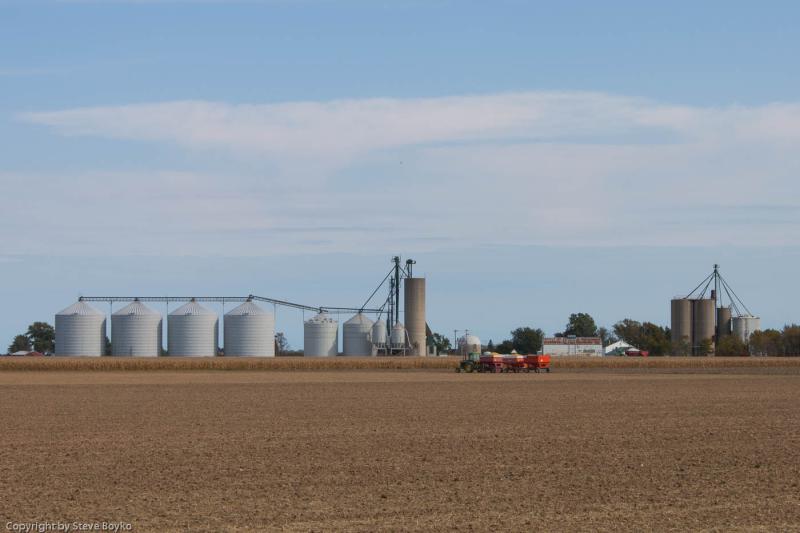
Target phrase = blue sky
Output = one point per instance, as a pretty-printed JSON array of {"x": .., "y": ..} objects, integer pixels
[{"x": 535, "y": 158}]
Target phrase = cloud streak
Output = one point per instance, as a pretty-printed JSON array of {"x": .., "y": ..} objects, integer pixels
[
  {"x": 512, "y": 168},
  {"x": 353, "y": 127}
]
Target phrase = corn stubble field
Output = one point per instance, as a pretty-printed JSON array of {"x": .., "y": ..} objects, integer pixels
[
  {"x": 372, "y": 363},
  {"x": 661, "y": 447}
]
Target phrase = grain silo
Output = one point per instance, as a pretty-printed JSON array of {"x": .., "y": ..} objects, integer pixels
[
  {"x": 136, "y": 331},
  {"x": 701, "y": 320},
  {"x": 80, "y": 331},
  {"x": 681, "y": 327},
  {"x": 723, "y": 322},
  {"x": 249, "y": 331},
  {"x": 415, "y": 314},
  {"x": 397, "y": 338},
  {"x": 356, "y": 336},
  {"x": 703, "y": 323},
  {"x": 744, "y": 326},
  {"x": 193, "y": 331},
  {"x": 380, "y": 337},
  {"x": 321, "y": 336}
]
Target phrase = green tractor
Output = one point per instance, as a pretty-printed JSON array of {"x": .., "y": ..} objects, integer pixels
[{"x": 469, "y": 363}]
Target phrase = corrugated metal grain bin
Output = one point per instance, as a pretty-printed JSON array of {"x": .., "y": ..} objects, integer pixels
[
  {"x": 321, "y": 336},
  {"x": 193, "y": 331},
  {"x": 249, "y": 332},
  {"x": 356, "y": 335},
  {"x": 80, "y": 331},
  {"x": 136, "y": 331}
]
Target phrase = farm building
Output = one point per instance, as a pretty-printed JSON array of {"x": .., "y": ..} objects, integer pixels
[
  {"x": 617, "y": 348},
  {"x": 573, "y": 346}
]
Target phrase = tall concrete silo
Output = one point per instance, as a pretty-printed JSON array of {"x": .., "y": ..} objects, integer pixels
[
  {"x": 723, "y": 322},
  {"x": 415, "y": 314},
  {"x": 321, "y": 336},
  {"x": 699, "y": 319},
  {"x": 356, "y": 336},
  {"x": 681, "y": 326},
  {"x": 193, "y": 331},
  {"x": 249, "y": 331},
  {"x": 703, "y": 326},
  {"x": 744, "y": 326},
  {"x": 80, "y": 331},
  {"x": 136, "y": 331}
]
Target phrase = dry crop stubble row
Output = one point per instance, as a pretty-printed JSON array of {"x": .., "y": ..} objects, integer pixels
[{"x": 372, "y": 363}]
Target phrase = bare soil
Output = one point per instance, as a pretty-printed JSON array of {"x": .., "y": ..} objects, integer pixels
[{"x": 402, "y": 450}]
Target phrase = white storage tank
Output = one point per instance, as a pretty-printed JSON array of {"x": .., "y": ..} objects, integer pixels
[
  {"x": 249, "y": 331},
  {"x": 321, "y": 336},
  {"x": 356, "y": 336},
  {"x": 193, "y": 330},
  {"x": 136, "y": 331},
  {"x": 398, "y": 336},
  {"x": 379, "y": 334},
  {"x": 80, "y": 330},
  {"x": 744, "y": 326},
  {"x": 469, "y": 343}
]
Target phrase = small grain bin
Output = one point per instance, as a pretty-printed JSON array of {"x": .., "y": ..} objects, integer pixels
[
  {"x": 321, "y": 336},
  {"x": 356, "y": 336}
]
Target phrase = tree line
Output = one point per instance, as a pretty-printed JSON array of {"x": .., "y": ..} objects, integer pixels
[{"x": 655, "y": 339}]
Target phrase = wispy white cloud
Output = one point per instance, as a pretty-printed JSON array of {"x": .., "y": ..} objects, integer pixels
[
  {"x": 340, "y": 130},
  {"x": 518, "y": 168}
]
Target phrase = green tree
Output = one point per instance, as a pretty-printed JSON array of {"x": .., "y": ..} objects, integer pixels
[
  {"x": 490, "y": 346},
  {"x": 766, "y": 342},
  {"x": 527, "y": 340},
  {"x": 281, "y": 344},
  {"x": 791, "y": 340},
  {"x": 645, "y": 336},
  {"x": 630, "y": 331},
  {"x": 607, "y": 336},
  {"x": 681, "y": 347},
  {"x": 655, "y": 339},
  {"x": 731, "y": 345},
  {"x": 581, "y": 325},
  {"x": 21, "y": 343},
  {"x": 43, "y": 336},
  {"x": 704, "y": 347},
  {"x": 441, "y": 342},
  {"x": 504, "y": 347}
]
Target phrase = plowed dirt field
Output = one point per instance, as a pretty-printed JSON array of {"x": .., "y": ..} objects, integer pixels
[{"x": 402, "y": 450}]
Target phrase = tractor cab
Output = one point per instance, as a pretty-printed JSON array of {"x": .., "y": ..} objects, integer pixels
[{"x": 469, "y": 362}]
